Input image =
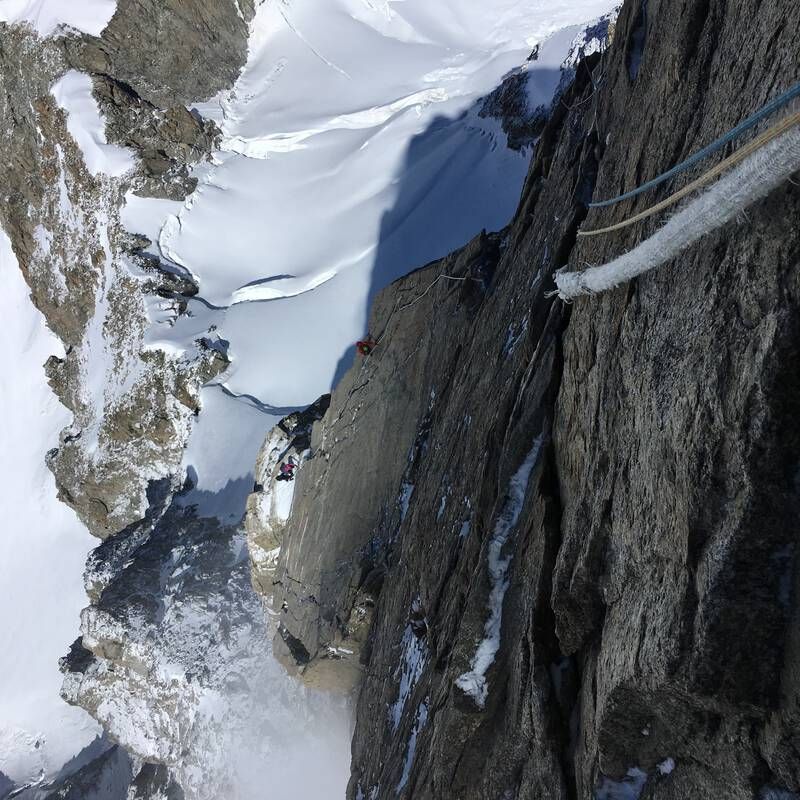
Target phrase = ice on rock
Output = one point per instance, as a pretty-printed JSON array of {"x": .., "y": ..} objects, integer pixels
[{"x": 473, "y": 682}]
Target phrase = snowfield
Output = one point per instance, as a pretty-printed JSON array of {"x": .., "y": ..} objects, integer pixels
[{"x": 43, "y": 549}]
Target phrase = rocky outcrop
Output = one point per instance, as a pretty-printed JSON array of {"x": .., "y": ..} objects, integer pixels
[
  {"x": 173, "y": 657},
  {"x": 168, "y": 140},
  {"x": 516, "y": 102},
  {"x": 132, "y": 405},
  {"x": 171, "y": 51},
  {"x": 110, "y": 775},
  {"x": 553, "y": 545},
  {"x": 270, "y": 502}
]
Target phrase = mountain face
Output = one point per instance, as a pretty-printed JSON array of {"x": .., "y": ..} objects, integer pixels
[
  {"x": 553, "y": 546},
  {"x": 532, "y": 549},
  {"x": 173, "y": 657},
  {"x": 148, "y": 143}
]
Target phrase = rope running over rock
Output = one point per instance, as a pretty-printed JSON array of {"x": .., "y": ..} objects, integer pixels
[
  {"x": 718, "y": 144},
  {"x": 751, "y": 181},
  {"x": 706, "y": 178}
]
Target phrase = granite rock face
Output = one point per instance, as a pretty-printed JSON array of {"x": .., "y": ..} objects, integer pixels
[
  {"x": 554, "y": 546},
  {"x": 170, "y": 51},
  {"x": 270, "y": 502}
]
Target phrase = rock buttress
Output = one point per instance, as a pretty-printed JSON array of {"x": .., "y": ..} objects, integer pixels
[{"x": 555, "y": 545}]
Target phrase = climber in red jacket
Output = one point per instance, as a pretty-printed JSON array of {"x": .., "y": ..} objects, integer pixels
[
  {"x": 286, "y": 470},
  {"x": 365, "y": 346}
]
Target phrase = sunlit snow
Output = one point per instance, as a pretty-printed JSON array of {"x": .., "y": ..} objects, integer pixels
[
  {"x": 43, "y": 549},
  {"x": 89, "y": 16},
  {"x": 73, "y": 92},
  {"x": 352, "y": 153}
]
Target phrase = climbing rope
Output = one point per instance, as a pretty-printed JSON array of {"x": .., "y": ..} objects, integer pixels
[
  {"x": 397, "y": 307},
  {"x": 716, "y": 145},
  {"x": 750, "y": 181},
  {"x": 706, "y": 178},
  {"x": 432, "y": 284}
]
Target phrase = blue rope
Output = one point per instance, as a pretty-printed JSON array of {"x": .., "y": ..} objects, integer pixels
[{"x": 750, "y": 122}]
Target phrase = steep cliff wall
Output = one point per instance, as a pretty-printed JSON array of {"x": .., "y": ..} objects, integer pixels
[{"x": 554, "y": 546}]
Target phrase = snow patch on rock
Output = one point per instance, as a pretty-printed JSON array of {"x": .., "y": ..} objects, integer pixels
[
  {"x": 473, "y": 682},
  {"x": 73, "y": 92},
  {"x": 413, "y": 657},
  {"x": 420, "y": 720}
]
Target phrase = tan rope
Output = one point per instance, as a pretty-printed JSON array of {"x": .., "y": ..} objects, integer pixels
[{"x": 732, "y": 160}]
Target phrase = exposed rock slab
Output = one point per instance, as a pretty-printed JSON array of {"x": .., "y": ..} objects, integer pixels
[{"x": 170, "y": 51}]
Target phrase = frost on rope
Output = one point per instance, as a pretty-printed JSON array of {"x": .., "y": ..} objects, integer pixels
[
  {"x": 752, "y": 180},
  {"x": 474, "y": 682}
]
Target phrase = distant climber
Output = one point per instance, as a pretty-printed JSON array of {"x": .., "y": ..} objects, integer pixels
[
  {"x": 365, "y": 346},
  {"x": 286, "y": 470}
]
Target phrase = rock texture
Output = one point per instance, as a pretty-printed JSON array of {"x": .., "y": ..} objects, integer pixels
[
  {"x": 110, "y": 775},
  {"x": 555, "y": 546},
  {"x": 171, "y": 51},
  {"x": 270, "y": 502},
  {"x": 174, "y": 652},
  {"x": 132, "y": 406}
]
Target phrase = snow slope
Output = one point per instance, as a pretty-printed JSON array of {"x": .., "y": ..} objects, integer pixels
[
  {"x": 43, "y": 549},
  {"x": 73, "y": 92},
  {"x": 89, "y": 16}
]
